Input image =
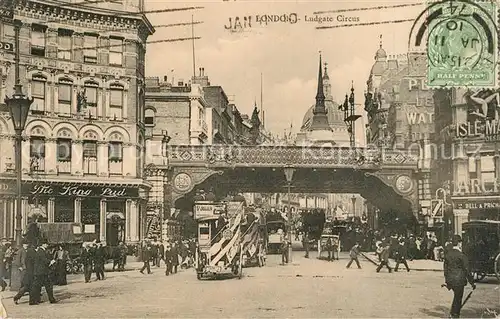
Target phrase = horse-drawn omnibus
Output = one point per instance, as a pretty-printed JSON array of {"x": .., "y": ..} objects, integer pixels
[{"x": 482, "y": 247}]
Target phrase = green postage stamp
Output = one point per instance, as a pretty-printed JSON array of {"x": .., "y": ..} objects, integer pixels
[{"x": 462, "y": 43}]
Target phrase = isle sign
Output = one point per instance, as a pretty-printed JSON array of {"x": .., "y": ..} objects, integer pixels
[{"x": 437, "y": 208}]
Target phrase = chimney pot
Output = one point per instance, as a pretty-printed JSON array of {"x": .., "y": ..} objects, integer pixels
[{"x": 165, "y": 78}]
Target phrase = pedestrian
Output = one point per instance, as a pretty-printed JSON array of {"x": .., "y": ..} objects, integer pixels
[
  {"x": 43, "y": 263},
  {"x": 154, "y": 254},
  {"x": 26, "y": 264},
  {"x": 161, "y": 253},
  {"x": 175, "y": 257},
  {"x": 329, "y": 248},
  {"x": 61, "y": 257},
  {"x": 3, "y": 268},
  {"x": 353, "y": 254},
  {"x": 146, "y": 257},
  {"x": 306, "y": 243},
  {"x": 168, "y": 260},
  {"x": 99, "y": 260},
  {"x": 87, "y": 261},
  {"x": 457, "y": 274},
  {"x": 401, "y": 255},
  {"x": 284, "y": 250},
  {"x": 384, "y": 257}
]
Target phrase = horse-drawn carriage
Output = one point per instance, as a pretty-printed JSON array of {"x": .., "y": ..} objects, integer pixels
[{"x": 482, "y": 247}]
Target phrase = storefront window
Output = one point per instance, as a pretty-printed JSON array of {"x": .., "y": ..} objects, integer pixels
[
  {"x": 38, "y": 209},
  {"x": 90, "y": 211},
  {"x": 64, "y": 210}
]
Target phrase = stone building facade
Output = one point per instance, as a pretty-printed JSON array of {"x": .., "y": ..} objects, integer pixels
[{"x": 82, "y": 161}]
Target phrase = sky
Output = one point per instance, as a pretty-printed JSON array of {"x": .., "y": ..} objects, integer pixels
[{"x": 286, "y": 54}]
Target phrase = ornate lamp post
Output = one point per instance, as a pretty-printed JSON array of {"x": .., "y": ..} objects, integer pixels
[
  {"x": 19, "y": 105},
  {"x": 289, "y": 177}
]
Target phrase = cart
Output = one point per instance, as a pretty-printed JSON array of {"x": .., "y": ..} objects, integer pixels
[
  {"x": 275, "y": 231},
  {"x": 482, "y": 247},
  {"x": 219, "y": 252}
]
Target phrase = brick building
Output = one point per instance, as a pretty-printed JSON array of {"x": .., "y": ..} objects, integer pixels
[{"x": 82, "y": 162}]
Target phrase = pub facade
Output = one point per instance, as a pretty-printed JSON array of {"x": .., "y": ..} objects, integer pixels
[
  {"x": 468, "y": 153},
  {"x": 83, "y": 144}
]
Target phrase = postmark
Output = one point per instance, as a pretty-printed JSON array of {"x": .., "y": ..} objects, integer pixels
[{"x": 461, "y": 43}]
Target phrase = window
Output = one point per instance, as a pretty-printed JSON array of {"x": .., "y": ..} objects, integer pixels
[
  {"x": 91, "y": 99},
  {"x": 38, "y": 94},
  {"x": 149, "y": 118},
  {"x": 115, "y": 156},
  {"x": 38, "y": 40},
  {"x": 488, "y": 170},
  {"x": 64, "y": 155},
  {"x": 90, "y": 157},
  {"x": 37, "y": 154},
  {"x": 115, "y": 51},
  {"x": 90, "y": 48},
  {"x": 116, "y": 103},
  {"x": 64, "y": 99},
  {"x": 64, "y": 210},
  {"x": 472, "y": 167},
  {"x": 64, "y": 42}
]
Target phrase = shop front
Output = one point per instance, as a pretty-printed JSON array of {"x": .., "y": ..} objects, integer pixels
[
  {"x": 7, "y": 202},
  {"x": 475, "y": 208},
  {"x": 111, "y": 212}
]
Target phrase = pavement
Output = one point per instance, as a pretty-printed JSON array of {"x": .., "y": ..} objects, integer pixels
[
  {"x": 306, "y": 288},
  {"x": 415, "y": 265}
]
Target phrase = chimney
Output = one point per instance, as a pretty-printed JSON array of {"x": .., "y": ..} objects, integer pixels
[
  {"x": 199, "y": 71},
  {"x": 165, "y": 78},
  {"x": 202, "y": 71}
]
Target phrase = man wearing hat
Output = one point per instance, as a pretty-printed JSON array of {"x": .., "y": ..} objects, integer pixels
[
  {"x": 43, "y": 262},
  {"x": 26, "y": 262},
  {"x": 87, "y": 257},
  {"x": 99, "y": 260},
  {"x": 457, "y": 274}
]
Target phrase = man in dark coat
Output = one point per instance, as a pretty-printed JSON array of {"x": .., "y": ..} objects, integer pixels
[
  {"x": 26, "y": 262},
  {"x": 384, "y": 256},
  {"x": 43, "y": 262},
  {"x": 99, "y": 260},
  {"x": 146, "y": 257},
  {"x": 3, "y": 268},
  {"x": 401, "y": 254},
  {"x": 175, "y": 256},
  {"x": 161, "y": 253},
  {"x": 168, "y": 260},
  {"x": 457, "y": 274},
  {"x": 87, "y": 259}
]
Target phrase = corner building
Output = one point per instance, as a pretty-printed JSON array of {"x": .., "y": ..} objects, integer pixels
[{"x": 82, "y": 162}]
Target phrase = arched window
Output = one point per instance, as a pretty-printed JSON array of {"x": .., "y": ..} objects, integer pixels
[
  {"x": 38, "y": 83},
  {"x": 91, "y": 99},
  {"x": 64, "y": 96},
  {"x": 90, "y": 153},
  {"x": 149, "y": 117},
  {"x": 115, "y": 154},
  {"x": 116, "y": 101},
  {"x": 37, "y": 149},
  {"x": 64, "y": 144}
]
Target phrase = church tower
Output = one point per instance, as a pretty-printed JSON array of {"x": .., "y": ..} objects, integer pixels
[{"x": 319, "y": 120}]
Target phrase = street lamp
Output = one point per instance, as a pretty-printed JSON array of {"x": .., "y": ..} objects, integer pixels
[
  {"x": 164, "y": 142},
  {"x": 353, "y": 199},
  {"x": 19, "y": 105},
  {"x": 289, "y": 177}
]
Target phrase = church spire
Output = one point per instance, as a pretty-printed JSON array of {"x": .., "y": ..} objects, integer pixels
[{"x": 320, "y": 120}]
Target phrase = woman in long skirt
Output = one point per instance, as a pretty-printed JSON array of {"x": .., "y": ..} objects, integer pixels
[{"x": 61, "y": 257}]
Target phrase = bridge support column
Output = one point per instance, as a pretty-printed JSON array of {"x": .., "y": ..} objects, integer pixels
[{"x": 460, "y": 216}]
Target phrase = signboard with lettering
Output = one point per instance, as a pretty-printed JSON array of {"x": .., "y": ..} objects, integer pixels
[
  {"x": 469, "y": 204},
  {"x": 203, "y": 210},
  {"x": 7, "y": 188},
  {"x": 80, "y": 191}
]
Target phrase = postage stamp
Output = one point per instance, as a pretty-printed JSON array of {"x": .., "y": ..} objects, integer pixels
[{"x": 461, "y": 43}]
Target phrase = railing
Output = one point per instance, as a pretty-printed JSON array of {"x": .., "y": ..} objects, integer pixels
[
  {"x": 37, "y": 164},
  {"x": 115, "y": 167},
  {"x": 64, "y": 166},
  {"x": 90, "y": 165}
]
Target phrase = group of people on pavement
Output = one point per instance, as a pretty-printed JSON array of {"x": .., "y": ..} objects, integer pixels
[
  {"x": 36, "y": 264},
  {"x": 94, "y": 256},
  {"x": 6, "y": 254},
  {"x": 172, "y": 253}
]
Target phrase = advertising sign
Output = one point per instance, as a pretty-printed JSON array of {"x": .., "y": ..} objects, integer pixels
[{"x": 204, "y": 210}]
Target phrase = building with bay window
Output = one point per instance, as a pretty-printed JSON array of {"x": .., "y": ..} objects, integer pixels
[
  {"x": 84, "y": 142},
  {"x": 468, "y": 168}
]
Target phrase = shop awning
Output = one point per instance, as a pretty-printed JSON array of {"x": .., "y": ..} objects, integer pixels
[{"x": 110, "y": 215}]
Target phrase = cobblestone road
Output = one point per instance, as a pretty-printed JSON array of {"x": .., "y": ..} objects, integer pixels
[{"x": 309, "y": 289}]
